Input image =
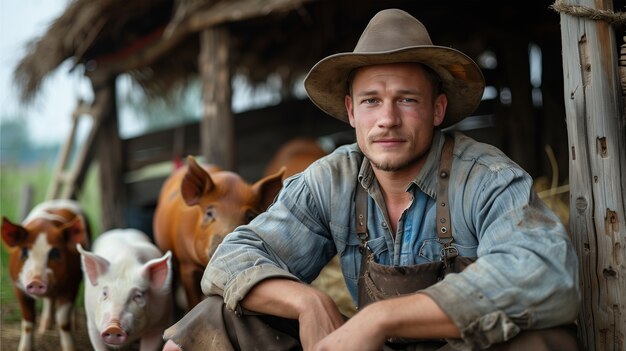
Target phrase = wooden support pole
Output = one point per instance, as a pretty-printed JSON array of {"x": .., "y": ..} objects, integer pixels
[
  {"x": 596, "y": 133},
  {"x": 521, "y": 136},
  {"x": 217, "y": 125},
  {"x": 109, "y": 154}
]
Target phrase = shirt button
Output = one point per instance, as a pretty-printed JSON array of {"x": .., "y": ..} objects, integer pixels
[{"x": 384, "y": 224}]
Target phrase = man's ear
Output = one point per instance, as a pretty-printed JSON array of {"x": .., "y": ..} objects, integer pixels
[
  {"x": 349, "y": 108},
  {"x": 439, "y": 109}
]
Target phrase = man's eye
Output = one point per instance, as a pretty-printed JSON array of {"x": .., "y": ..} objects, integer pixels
[
  {"x": 407, "y": 100},
  {"x": 370, "y": 101}
]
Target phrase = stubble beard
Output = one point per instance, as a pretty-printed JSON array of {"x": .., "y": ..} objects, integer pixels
[
  {"x": 393, "y": 165},
  {"x": 390, "y": 166}
]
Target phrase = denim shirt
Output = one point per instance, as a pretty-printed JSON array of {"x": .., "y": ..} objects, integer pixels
[{"x": 526, "y": 275}]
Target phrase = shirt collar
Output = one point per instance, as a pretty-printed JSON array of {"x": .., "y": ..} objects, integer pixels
[{"x": 426, "y": 179}]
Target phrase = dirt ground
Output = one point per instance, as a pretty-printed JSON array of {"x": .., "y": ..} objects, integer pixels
[{"x": 49, "y": 341}]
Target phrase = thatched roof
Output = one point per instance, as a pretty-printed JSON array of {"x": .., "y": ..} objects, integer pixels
[{"x": 157, "y": 41}]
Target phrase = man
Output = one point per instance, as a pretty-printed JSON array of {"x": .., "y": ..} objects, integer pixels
[{"x": 397, "y": 90}]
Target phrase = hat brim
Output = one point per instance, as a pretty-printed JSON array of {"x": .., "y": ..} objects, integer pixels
[{"x": 463, "y": 82}]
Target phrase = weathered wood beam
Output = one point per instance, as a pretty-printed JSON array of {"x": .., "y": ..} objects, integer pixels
[
  {"x": 109, "y": 154},
  {"x": 234, "y": 11},
  {"x": 523, "y": 143},
  {"x": 68, "y": 179},
  {"x": 596, "y": 133},
  {"x": 217, "y": 125}
]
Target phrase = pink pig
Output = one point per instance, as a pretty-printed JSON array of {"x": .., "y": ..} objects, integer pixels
[{"x": 127, "y": 290}]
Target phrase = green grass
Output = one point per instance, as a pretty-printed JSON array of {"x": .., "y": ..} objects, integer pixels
[{"x": 13, "y": 181}]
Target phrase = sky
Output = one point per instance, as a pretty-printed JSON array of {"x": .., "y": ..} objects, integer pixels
[{"x": 48, "y": 115}]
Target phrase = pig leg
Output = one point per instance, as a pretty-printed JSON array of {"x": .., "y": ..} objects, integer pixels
[
  {"x": 63, "y": 316},
  {"x": 26, "y": 337},
  {"x": 27, "y": 306},
  {"x": 46, "y": 315},
  {"x": 151, "y": 341}
]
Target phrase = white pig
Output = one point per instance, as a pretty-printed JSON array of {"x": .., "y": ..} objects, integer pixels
[{"x": 127, "y": 290}]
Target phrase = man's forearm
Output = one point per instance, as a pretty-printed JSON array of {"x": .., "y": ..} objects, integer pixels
[
  {"x": 283, "y": 298},
  {"x": 314, "y": 310},
  {"x": 414, "y": 316}
]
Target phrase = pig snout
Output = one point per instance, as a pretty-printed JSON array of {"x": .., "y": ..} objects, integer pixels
[
  {"x": 36, "y": 287},
  {"x": 113, "y": 334}
]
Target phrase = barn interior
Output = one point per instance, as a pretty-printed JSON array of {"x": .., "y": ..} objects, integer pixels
[{"x": 162, "y": 46}]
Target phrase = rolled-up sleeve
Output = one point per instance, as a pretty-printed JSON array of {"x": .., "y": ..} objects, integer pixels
[
  {"x": 268, "y": 247},
  {"x": 526, "y": 276}
]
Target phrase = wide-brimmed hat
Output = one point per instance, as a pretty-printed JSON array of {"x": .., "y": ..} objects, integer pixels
[{"x": 394, "y": 36}]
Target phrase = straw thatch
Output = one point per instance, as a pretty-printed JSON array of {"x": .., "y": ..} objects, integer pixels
[{"x": 156, "y": 42}]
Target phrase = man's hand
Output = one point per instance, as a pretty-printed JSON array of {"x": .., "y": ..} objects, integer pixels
[
  {"x": 319, "y": 317},
  {"x": 414, "y": 316},
  {"x": 359, "y": 333},
  {"x": 315, "y": 310}
]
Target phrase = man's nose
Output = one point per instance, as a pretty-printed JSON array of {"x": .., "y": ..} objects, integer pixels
[{"x": 389, "y": 116}]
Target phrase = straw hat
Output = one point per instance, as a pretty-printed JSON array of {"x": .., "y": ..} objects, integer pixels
[{"x": 394, "y": 36}]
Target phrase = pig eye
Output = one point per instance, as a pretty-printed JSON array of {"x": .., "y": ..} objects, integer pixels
[
  {"x": 138, "y": 297},
  {"x": 105, "y": 293},
  {"x": 24, "y": 255},
  {"x": 54, "y": 254},
  {"x": 209, "y": 214}
]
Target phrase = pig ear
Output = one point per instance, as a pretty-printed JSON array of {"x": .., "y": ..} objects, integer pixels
[
  {"x": 12, "y": 234},
  {"x": 159, "y": 272},
  {"x": 75, "y": 232},
  {"x": 195, "y": 183},
  {"x": 93, "y": 265},
  {"x": 268, "y": 187}
]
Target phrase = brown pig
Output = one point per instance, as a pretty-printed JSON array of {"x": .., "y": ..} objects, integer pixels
[
  {"x": 44, "y": 264},
  {"x": 197, "y": 207},
  {"x": 295, "y": 155}
]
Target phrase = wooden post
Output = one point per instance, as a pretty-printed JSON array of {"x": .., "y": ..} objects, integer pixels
[
  {"x": 109, "y": 154},
  {"x": 596, "y": 133},
  {"x": 217, "y": 125}
]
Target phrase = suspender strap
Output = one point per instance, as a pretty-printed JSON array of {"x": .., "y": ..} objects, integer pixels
[
  {"x": 361, "y": 215},
  {"x": 444, "y": 225}
]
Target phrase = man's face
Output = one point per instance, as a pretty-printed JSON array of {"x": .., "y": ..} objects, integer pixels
[{"x": 394, "y": 114}]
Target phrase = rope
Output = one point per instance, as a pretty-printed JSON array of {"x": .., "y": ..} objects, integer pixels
[{"x": 608, "y": 16}]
